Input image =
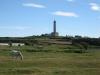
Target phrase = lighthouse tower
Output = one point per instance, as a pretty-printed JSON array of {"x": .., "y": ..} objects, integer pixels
[
  {"x": 54, "y": 33},
  {"x": 54, "y": 27}
]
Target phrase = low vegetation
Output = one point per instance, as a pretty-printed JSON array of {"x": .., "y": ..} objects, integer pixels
[{"x": 50, "y": 60}]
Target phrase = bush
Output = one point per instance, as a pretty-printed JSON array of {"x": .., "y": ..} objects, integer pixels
[
  {"x": 37, "y": 50},
  {"x": 74, "y": 51}
]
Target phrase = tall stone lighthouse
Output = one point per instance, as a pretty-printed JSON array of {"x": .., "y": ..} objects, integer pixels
[
  {"x": 54, "y": 33},
  {"x": 54, "y": 27}
]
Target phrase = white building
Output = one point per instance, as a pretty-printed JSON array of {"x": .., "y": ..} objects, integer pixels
[
  {"x": 4, "y": 44},
  {"x": 18, "y": 44},
  {"x": 13, "y": 44}
]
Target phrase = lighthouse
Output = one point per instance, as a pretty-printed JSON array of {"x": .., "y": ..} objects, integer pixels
[
  {"x": 54, "y": 27},
  {"x": 54, "y": 33}
]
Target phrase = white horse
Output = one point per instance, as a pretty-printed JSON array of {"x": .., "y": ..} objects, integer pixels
[{"x": 16, "y": 54}]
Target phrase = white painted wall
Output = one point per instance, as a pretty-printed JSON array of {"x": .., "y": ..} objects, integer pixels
[{"x": 13, "y": 44}]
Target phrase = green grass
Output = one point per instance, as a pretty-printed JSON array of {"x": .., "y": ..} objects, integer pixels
[{"x": 49, "y": 63}]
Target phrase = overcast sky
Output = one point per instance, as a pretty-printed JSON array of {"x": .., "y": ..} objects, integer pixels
[{"x": 34, "y": 17}]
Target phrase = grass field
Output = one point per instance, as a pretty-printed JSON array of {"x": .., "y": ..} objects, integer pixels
[{"x": 50, "y": 63}]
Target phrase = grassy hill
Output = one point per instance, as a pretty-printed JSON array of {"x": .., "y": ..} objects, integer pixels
[{"x": 52, "y": 62}]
